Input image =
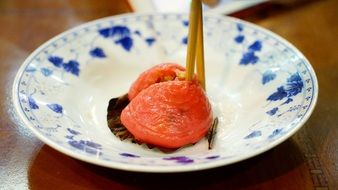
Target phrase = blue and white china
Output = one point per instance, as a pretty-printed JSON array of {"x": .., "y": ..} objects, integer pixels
[{"x": 261, "y": 87}]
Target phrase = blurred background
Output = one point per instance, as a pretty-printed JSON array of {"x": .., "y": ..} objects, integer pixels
[{"x": 210, "y": 6}]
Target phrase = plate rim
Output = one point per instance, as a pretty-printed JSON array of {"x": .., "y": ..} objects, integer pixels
[{"x": 162, "y": 169}]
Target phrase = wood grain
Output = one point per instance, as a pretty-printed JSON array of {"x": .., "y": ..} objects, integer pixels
[{"x": 308, "y": 160}]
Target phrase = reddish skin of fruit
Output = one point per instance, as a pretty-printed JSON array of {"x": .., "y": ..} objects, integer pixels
[
  {"x": 156, "y": 74},
  {"x": 169, "y": 114}
]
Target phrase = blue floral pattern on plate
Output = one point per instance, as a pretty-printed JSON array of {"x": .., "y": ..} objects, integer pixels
[{"x": 246, "y": 61}]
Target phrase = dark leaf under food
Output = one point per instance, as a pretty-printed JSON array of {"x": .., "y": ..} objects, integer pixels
[
  {"x": 211, "y": 133},
  {"x": 115, "y": 107}
]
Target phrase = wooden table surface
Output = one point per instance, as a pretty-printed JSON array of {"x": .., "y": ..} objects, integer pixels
[{"x": 308, "y": 160}]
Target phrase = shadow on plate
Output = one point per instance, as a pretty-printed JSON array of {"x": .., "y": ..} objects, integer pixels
[{"x": 52, "y": 169}]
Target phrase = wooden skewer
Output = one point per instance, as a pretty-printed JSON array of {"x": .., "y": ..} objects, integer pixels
[
  {"x": 200, "y": 51},
  {"x": 195, "y": 51},
  {"x": 192, "y": 36}
]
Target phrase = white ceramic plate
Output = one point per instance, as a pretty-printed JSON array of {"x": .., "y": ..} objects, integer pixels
[{"x": 261, "y": 87}]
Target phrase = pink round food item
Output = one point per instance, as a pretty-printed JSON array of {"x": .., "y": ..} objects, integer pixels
[
  {"x": 168, "y": 114},
  {"x": 159, "y": 73}
]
